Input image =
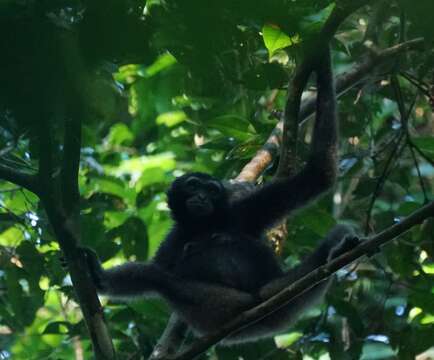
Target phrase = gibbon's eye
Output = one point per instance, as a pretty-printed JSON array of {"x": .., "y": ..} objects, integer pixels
[
  {"x": 213, "y": 188},
  {"x": 192, "y": 184}
]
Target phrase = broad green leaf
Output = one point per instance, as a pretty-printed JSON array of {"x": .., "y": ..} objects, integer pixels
[
  {"x": 25, "y": 298},
  {"x": 194, "y": 102},
  {"x": 134, "y": 237},
  {"x": 113, "y": 219},
  {"x": 318, "y": 220},
  {"x": 408, "y": 207},
  {"x": 11, "y": 237},
  {"x": 426, "y": 144},
  {"x": 136, "y": 167},
  {"x": 19, "y": 202},
  {"x": 275, "y": 39},
  {"x": 92, "y": 231},
  {"x": 120, "y": 134},
  {"x": 421, "y": 24},
  {"x": 32, "y": 260},
  {"x": 171, "y": 118},
  {"x": 232, "y": 126},
  {"x": 163, "y": 62},
  {"x": 112, "y": 186},
  {"x": 157, "y": 232},
  {"x": 313, "y": 23},
  {"x": 377, "y": 351},
  {"x": 151, "y": 176},
  {"x": 128, "y": 72}
]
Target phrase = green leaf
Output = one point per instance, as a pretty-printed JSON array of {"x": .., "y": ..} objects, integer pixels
[
  {"x": 19, "y": 201},
  {"x": 232, "y": 126},
  {"x": 421, "y": 24},
  {"x": 120, "y": 134},
  {"x": 113, "y": 186},
  {"x": 408, "y": 207},
  {"x": 135, "y": 167},
  {"x": 92, "y": 230},
  {"x": 11, "y": 237},
  {"x": 317, "y": 220},
  {"x": 286, "y": 340},
  {"x": 313, "y": 23},
  {"x": 57, "y": 327},
  {"x": 163, "y": 62},
  {"x": 275, "y": 39},
  {"x": 150, "y": 177},
  {"x": 377, "y": 351},
  {"x": 113, "y": 219},
  {"x": 172, "y": 118},
  {"x": 134, "y": 237},
  {"x": 128, "y": 72},
  {"x": 426, "y": 144},
  {"x": 32, "y": 260}
]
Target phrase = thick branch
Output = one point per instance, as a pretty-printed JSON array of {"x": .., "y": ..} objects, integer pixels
[
  {"x": 76, "y": 76},
  {"x": 70, "y": 165},
  {"x": 60, "y": 198},
  {"x": 83, "y": 285},
  {"x": 20, "y": 178},
  {"x": 344, "y": 83},
  {"x": 253, "y": 315}
]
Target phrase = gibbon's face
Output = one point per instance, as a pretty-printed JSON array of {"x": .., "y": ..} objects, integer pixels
[{"x": 196, "y": 195}]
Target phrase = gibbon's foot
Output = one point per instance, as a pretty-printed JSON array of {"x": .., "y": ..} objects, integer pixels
[{"x": 348, "y": 243}]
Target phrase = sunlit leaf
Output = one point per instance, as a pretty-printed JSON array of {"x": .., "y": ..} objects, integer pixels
[
  {"x": 286, "y": 340},
  {"x": 120, "y": 134},
  {"x": 11, "y": 237},
  {"x": 275, "y": 39},
  {"x": 172, "y": 118},
  {"x": 136, "y": 167}
]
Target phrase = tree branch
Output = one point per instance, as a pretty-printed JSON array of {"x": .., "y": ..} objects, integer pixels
[
  {"x": 344, "y": 83},
  {"x": 60, "y": 198},
  {"x": 367, "y": 247},
  {"x": 71, "y": 164},
  {"x": 313, "y": 51},
  {"x": 20, "y": 178}
]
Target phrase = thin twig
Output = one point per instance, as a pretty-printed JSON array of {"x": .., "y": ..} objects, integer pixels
[{"x": 381, "y": 181}]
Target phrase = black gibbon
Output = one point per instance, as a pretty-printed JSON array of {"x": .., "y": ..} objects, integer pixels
[{"x": 215, "y": 263}]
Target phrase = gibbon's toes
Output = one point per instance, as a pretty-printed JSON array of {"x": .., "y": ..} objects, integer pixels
[{"x": 349, "y": 242}]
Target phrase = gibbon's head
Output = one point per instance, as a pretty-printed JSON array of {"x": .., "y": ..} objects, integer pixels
[{"x": 197, "y": 196}]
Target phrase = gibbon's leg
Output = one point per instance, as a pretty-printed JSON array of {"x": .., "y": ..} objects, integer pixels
[
  {"x": 206, "y": 307},
  {"x": 340, "y": 239}
]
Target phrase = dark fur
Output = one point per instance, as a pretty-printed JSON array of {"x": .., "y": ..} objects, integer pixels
[{"x": 215, "y": 263}]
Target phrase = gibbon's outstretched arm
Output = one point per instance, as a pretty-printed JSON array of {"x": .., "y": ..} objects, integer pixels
[
  {"x": 127, "y": 280},
  {"x": 265, "y": 206}
]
